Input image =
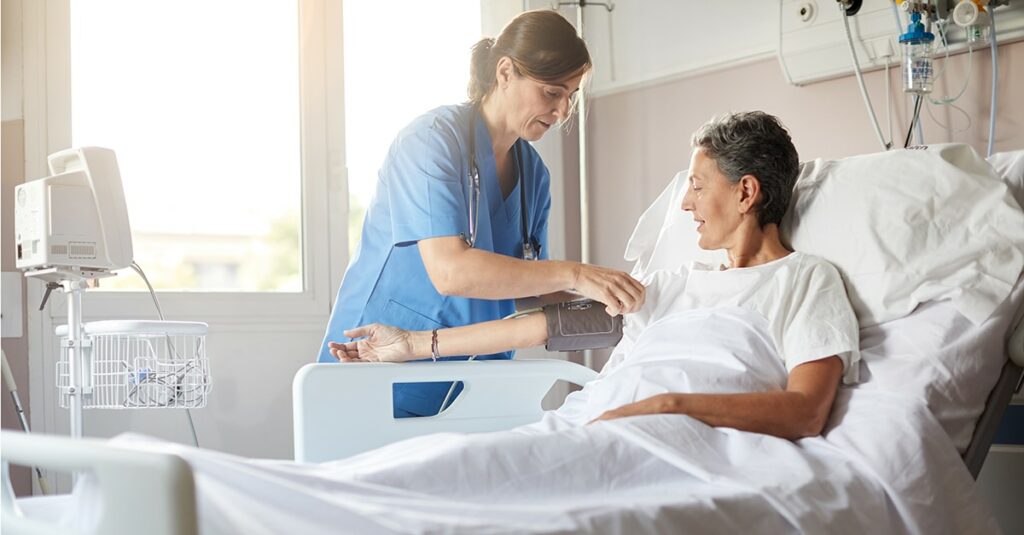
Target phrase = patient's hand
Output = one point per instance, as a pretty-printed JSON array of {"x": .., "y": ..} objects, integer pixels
[
  {"x": 382, "y": 343},
  {"x": 658, "y": 404}
]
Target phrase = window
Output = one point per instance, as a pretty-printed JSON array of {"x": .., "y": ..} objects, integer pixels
[
  {"x": 203, "y": 112},
  {"x": 402, "y": 58},
  {"x": 227, "y": 118}
]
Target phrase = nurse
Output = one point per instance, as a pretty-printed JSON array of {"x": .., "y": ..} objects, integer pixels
[{"x": 457, "y": 228}]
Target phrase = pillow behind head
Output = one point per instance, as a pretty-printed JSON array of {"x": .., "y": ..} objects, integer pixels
[{"x": 909, "y": 226}]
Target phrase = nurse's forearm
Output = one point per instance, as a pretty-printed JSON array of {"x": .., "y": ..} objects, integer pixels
[
  {"x": 486, "y": 275},
  {"x": 483, "y": 338},
  {"x": 456, "y": 269}
]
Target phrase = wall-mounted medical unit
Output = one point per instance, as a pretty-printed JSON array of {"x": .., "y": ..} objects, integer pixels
[{"x": 813, "y": 44}]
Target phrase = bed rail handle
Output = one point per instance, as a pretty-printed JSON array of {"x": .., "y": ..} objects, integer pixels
[
  {"x": 346, "y": 408},
  {"x": 154, "y": 489}
]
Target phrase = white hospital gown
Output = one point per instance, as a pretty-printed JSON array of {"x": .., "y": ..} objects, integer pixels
[{"x": 720, "y": 331}]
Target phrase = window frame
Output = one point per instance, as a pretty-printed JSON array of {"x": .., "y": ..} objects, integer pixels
[{"x": 324, "y": 195}]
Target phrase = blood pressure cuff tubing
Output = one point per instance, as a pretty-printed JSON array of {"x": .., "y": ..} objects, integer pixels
[{"x": 580, "y": 325}]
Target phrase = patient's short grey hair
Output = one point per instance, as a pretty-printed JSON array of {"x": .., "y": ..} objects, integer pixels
[{"x": 754, "y": 143}]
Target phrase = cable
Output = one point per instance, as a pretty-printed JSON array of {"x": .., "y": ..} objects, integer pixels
[
  {"x": 451, "y": 389},
  {"x": 917, "y": 123},
  {"x": 941, "y": 25},
  {"x": 913, "y": 117},
  {"x": 896, "y": 15},
  {"x": 611, "y": 46},
  {"x": 888, "y": 102},
  {"x": 12, "y": 387},
  {"x": 785, "y": 68},
  {"x": 913, "y": 120},
  {"x": 522, "y": 313},
  {"x": 910, "y": 131},
  {"x": 995, "y": 81},
  {"x": 156, "y": 302},
  {"x": 967, "y": 79},
  {"x": 860, "y": 81},
  {"x": 949, "y": 127},
  {"x": 138, "y": 269}
]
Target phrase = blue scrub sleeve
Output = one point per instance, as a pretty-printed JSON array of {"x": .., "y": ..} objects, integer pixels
[{"x": 426, "y": 189}]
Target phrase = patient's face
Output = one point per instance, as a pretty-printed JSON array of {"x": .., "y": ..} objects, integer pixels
[{"x": 713, "y": 201}]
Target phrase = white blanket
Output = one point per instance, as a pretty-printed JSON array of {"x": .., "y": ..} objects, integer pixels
[
  {"x": 884, "y": 465},
  {"x": 720, "y": 350}
]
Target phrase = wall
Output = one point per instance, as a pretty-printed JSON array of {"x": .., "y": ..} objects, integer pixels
[
  {"x": 16, "y": 349},
  {"x": 12, "y": 172}
]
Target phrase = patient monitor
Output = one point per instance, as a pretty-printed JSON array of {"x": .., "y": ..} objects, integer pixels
[{"x": 74, "y": 220}]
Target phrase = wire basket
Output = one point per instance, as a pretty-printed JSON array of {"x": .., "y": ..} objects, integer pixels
[{"x": 138, "y": 365}]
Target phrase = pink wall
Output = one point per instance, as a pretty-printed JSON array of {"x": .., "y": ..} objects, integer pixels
[
  {"x": 13, "y": 173},
  {"x": 640, "y": 139}
]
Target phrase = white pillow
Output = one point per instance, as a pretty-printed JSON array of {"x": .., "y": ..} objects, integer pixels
[
  {"x": 903, "y": 227},
  {"x": 936, "y": 355},
  {"x": 1010, "y": 166},
  {"x": 909, "y": 226}
]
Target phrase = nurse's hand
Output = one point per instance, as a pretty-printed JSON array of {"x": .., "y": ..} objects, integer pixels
[
  {"x": 620, "y": 293},
  {"x": 382, "y": 343}
]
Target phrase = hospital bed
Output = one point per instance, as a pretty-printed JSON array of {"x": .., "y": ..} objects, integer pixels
[{"x": 156, "y": 491}]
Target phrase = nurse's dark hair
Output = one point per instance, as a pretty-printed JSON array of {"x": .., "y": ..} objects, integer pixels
[
  {"x": 753, "y": 143},
  {"x": 541, "y": 44}
]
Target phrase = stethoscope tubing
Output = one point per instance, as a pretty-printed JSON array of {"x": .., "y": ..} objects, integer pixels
[{"x": 530, "y": 251}]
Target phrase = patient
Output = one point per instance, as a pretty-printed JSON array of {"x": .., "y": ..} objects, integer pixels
[{"x": 760, "y": 345}]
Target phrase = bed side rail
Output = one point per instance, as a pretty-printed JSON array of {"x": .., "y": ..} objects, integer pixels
[
  {"x": 143, "y": 492},
  {"x": 344, "y": 409},
  {"x": 995, "y": 408},
  {"x": 1009, "y": 383}
]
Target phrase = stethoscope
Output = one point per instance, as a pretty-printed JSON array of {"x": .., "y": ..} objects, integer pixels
[{"x": 531, "y": 247}]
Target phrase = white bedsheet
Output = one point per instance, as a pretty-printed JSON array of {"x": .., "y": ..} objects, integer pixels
[{"x": 884, "y": 465}]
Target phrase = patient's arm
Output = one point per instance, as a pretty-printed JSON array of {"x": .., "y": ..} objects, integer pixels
[
  {"x": 383, "y": 343},
  {"x": 797, "y": 412}
]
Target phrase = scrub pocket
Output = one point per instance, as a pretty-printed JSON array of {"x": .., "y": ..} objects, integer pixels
[
  {"x": 411, "y": 400},
  {"x": 399, "y": 315}
]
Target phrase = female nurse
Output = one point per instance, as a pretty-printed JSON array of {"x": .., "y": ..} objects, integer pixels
[{"x": 457, "y": 228}]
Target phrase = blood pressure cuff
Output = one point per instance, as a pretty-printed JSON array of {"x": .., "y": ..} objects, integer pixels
[{"x": 580, "y": 325}]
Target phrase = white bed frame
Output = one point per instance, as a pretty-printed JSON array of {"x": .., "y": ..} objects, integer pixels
[
  {"x": 496, "y": 395},
  {"x": 143, "y": 492},
  {"x": 154, "y": 493}
]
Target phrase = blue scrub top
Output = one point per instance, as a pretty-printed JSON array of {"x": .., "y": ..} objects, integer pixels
[{"x": 422, "y": 192}]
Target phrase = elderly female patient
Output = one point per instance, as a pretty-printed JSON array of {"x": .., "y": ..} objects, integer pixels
[{"x": 759, "y": 345}]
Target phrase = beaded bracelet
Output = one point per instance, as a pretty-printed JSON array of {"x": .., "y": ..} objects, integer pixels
[{"x": 433, "y": 346}]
